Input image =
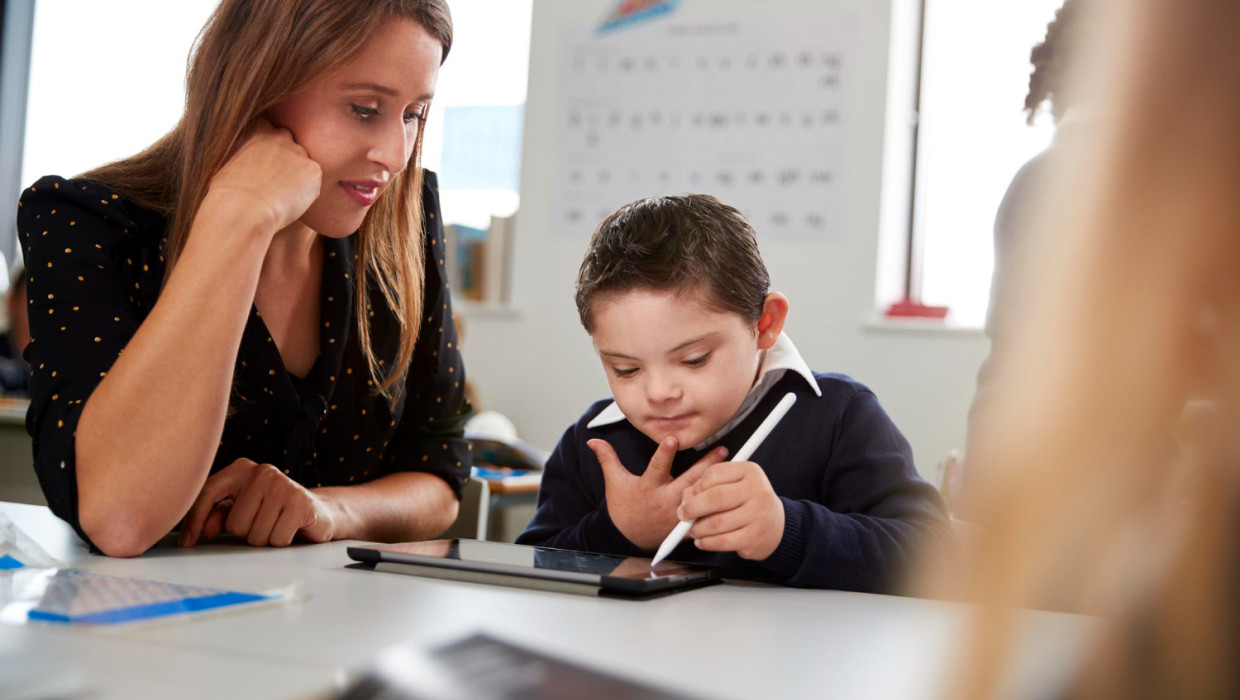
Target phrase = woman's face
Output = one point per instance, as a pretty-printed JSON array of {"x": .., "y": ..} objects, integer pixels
[{"x": 360, "y": 123}]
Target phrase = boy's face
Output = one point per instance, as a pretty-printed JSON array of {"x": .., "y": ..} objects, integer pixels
[{"x": 676, "y": 365}]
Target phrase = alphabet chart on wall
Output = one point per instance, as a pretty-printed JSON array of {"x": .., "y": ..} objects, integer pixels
[{"x": 749, "y": 109}]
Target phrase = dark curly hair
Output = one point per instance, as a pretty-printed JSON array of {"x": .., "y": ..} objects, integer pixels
[
  {"x": 680, "y": 243},
  {"x": 1050, "y": 65}
]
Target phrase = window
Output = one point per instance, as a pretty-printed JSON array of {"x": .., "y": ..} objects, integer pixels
[
  {"x": 16, "y": 20},
  {"x": 479, "y": 102},
  {"x": 972, "y": 139},
  {"x": 107, "y": 84}
]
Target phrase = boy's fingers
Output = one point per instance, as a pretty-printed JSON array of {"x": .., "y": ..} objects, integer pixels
[
  {"x": 726, "y": 542},
  {"x": 607, "y": 459},
  {"x": 717, "y": 499},
  {"x": 718, "y": 524},
  {"x": 660, "y": 467},
  {"x": 691, "y": 477},
  {"x": 694, "y": 473},
  {"x": 722, "y": 473}
]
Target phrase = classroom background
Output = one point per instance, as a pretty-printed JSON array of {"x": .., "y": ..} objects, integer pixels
[
  {"x": 550, "y": 113},
  {"x": 870, "y": 142}
]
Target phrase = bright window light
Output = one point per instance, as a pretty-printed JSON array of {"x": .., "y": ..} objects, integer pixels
[
  {"x": 109, "y": 83},
  {"x": 487, "y": 67},
  {"x": 973, "y": 138}
]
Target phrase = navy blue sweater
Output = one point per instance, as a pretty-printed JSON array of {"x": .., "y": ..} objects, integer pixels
[{"x": 856, "y": 512}]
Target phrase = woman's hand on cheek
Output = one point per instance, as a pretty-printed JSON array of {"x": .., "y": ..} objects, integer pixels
[
  {"x": 271, "y": 175},
  {"x": 259, "y": 504},
  {"x": 736, "y": 510}
]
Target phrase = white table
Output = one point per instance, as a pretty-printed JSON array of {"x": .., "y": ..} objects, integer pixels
[{"x": 726, "y": 641}]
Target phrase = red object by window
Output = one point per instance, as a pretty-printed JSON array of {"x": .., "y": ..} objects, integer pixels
[{"x": 907, "y": 308}]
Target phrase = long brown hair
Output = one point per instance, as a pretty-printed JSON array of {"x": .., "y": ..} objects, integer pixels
[
  {"x": 1096, "y": 497},
  {"x": 251, "y": 55}
]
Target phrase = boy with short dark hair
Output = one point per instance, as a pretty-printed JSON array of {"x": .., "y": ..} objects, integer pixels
[{"x": 674, "y": 293}]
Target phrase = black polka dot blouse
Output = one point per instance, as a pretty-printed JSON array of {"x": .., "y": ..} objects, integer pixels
[{"x": 95, "y": 265}]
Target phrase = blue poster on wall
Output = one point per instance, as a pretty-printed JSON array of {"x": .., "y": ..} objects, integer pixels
[{"x": 628, "y": 12}]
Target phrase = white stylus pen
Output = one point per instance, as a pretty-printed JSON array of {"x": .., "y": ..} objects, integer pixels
[{"x": 746, "y": 451}]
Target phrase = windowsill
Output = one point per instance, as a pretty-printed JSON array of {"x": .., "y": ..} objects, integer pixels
[{"x": 878, "y": 323}]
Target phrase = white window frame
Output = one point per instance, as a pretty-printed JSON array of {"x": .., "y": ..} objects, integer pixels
[{"x": 921, "y": 260}]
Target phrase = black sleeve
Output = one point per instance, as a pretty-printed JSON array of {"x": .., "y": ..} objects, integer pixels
[
  {"x": 572, "y": 512},
  {"x": 430, "y": 435},
  {"x": 875, "y": 515},
  {"x": 85, "y": 285}
]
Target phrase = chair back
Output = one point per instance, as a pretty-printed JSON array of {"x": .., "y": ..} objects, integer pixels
[{"x": 473, "y": 517}]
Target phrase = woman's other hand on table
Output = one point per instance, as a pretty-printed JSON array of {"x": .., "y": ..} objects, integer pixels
[{"x": 260, "y": 504}]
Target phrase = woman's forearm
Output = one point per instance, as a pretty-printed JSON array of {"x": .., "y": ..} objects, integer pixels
[
  {"x": 149, "y": 431},
  {"x": 401, "y": 507}
]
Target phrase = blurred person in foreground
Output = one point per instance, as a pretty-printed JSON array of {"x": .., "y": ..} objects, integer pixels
[{"x": 1091, "y": 505}]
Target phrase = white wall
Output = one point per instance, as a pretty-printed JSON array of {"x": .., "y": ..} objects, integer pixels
[{"x": 537, "y": 365}]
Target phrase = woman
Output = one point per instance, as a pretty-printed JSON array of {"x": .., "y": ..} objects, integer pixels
[
  {"x": 1090, "y": 504},
  {"x": 1049, "y": 86},
  {"x": 246, "y": 326}
]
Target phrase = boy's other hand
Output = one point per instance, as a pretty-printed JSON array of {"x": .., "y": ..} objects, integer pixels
[
  {"x": 736, "y": 511},
  {"x": 643, "y": 507}
]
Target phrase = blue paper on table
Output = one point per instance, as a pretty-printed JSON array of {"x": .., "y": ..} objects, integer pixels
[
  {"x": 500, "y": 473},
  {"x": 76, "y": 597}
]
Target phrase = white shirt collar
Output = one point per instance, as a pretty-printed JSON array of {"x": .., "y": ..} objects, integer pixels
[{"x": 777, "y": 361}]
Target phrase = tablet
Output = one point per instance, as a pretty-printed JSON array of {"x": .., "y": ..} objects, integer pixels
[{"x": 535, "y": 567}]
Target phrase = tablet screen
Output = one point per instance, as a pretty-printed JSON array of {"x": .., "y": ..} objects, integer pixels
[{"x": 543, "y": 558}]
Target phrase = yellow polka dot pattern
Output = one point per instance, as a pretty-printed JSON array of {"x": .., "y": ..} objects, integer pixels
[{"x": 100, "y": 264}]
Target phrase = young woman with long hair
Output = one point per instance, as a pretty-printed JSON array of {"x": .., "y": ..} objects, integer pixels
[{"x": 246, "y": 327}]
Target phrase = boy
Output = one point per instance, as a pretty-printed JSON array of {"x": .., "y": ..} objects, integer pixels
[{"x": 675, "y": 296}]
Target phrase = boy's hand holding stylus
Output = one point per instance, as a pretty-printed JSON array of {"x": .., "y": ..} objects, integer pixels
[
  {"x": 736, "y": 510},
  {"x": 644, "y": 507}
]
